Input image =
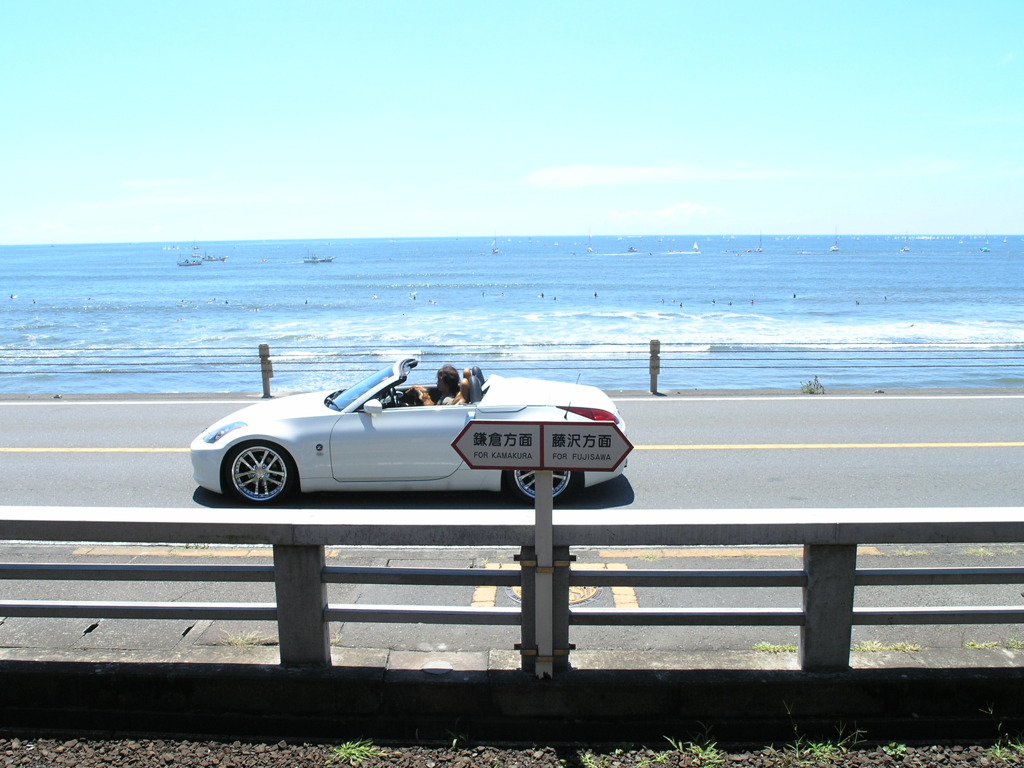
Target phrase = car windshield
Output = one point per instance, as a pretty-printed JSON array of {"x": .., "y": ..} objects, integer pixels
[{"x": 343, "y": 398}]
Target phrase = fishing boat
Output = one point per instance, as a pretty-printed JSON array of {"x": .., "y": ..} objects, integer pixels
[
  {"x": 314, "y": 259},
  {"x": 195, "y": 260},
  {"x": 208, "y": 257}
]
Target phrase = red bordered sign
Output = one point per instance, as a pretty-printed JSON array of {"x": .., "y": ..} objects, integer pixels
[{"x": 596, "y": 446}]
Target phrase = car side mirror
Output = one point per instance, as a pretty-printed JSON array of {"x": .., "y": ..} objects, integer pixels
[{"x": 373, "y": 407}]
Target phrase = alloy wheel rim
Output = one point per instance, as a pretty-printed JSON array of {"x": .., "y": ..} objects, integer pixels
[
  {"x": 527, "y": 481},
  {"x": 259, "y": 473}
]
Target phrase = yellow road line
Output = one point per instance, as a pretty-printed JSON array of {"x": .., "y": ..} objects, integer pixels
[
  {"x": 815, "y": 446},
  {"x": 679, "y": 447},
  {"x": 94, "y": 450}
]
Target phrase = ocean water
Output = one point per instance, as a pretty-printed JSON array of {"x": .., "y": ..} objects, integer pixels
[{"x": 114, "y": 318}]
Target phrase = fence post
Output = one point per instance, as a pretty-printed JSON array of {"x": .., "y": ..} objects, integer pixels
[
  {"x": 655, "y": 364},
  {"x": 828, "y": 607},
  {"x": 301, "y": 600},
  {"x": 266, "y": 368}
]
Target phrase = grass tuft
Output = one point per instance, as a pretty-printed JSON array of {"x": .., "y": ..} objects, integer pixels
[
  {"x": 355, "y": 753},
  {"x": 765, "y": 647}
]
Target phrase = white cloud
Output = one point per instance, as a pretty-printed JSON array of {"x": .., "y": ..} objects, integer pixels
[
  {"x": 680, "y": 213},
  {"x": 567, "y": 176},
  {"x": 156, "y": 183}
]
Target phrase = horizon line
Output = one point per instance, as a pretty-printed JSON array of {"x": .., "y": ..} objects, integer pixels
[{"x": 582, "y": 236}]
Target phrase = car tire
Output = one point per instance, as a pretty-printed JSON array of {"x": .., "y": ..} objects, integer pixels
[
  {"x": 259, "y": 473},
  {"x": 519, "y": 483}
]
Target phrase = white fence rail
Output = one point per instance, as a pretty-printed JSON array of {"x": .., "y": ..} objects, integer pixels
[{"x": 827, "y": 578}]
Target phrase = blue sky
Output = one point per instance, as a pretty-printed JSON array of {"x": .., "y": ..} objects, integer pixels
[{"x": 213, "y": 120}]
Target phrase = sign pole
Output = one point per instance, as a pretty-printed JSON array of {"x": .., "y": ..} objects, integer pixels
[
  {"x": 543, "y": 447},
  {"x": 543, "y": 487}
]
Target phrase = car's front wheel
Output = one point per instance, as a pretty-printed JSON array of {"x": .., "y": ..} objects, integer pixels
[
  {"x": 259, "y": 473},
  {"x": 521, "y": 483}
]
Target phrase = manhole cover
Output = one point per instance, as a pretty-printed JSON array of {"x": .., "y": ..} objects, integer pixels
[{"x": 577, "y": 595}]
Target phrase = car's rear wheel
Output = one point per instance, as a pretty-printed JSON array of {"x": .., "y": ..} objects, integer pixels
[
  {"x": 259, "y": 473},
  {"x": 521, "y": 483}
]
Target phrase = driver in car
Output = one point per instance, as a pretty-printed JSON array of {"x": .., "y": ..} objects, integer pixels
[{"x": 447, "y": 384}]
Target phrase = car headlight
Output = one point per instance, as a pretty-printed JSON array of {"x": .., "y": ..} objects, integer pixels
[{"x": 217, "y": 434}]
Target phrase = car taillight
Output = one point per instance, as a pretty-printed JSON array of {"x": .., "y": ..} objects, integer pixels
[{"x": 594, "y": 414}]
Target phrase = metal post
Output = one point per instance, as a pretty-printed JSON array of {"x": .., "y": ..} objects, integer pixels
[
  {"x": 266, "y": 368},
  {"x": 655, "y": 364},
  {"x": 301, "y": 600},
  {"x": 528, "y": 619},
  {"x": 828, "y": 607},
  {"x": 543, "y": 542},
  {"x": 560, "y": 612}
]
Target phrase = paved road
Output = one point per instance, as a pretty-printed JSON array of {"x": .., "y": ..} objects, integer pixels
[
  {"x": 913, "y": 450},
  {"x": 692, "y": 452}
]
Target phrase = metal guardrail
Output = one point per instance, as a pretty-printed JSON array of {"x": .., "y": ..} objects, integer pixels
[
  {"x": 628, "y": 361},
  {"x": 827, "y": 578}
]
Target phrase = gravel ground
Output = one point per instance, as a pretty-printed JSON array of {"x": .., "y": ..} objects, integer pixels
[{"x": 140, "y": 753}]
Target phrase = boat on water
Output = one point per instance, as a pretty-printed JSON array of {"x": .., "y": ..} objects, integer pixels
[
  {"x": 835, "y": 245},
  {"x": 208, "y": 257},
  {"x": 906, "y": 245},
  {"x": 195, "y": 260},
  {"x": 696, "y": 249},
  {"x": 759, "y": 249},
  {"x": 314, "y": 259},
  {"x": 494, "y": 245}
]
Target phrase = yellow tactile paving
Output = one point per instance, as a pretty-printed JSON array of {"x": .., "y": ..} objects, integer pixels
[
  {"x": 623, "y": 597},
  {"x": 716, "y": 552},
  {"x": 487, "y": 597}
]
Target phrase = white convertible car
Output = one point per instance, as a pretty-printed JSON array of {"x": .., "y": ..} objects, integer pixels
[{"x": 364, "y": 439}]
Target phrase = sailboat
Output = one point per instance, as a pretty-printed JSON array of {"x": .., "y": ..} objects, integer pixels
[
  {"x": 759, "y": 249},
  {"x": 835, "y": 245},
  {"x": 906, "y": 245},
  {"x": 494, "y": 245},
  {"x": 590, "y": 243},
  {"x": 985, "y": 248}
]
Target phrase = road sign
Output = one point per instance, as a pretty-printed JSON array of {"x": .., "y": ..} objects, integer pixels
[{"x": 592, "y": 446}]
